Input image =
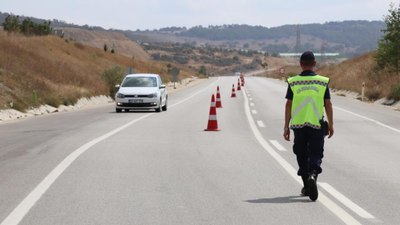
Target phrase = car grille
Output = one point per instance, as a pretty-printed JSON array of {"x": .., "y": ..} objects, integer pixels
[
  {"x": 144, "y": 105},
  {"x": 137, "y": 96}
]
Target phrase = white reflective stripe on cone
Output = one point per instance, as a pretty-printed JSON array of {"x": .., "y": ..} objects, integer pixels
[{"x": 212, "y": 117}]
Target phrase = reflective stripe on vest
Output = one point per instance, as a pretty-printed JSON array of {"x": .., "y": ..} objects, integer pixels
[{"x": 308, "y": 100}]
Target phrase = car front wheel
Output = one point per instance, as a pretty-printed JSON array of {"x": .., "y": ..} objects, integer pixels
[
  {"x": 159, "y": 108},
  {"x": 118, "y": 110}
]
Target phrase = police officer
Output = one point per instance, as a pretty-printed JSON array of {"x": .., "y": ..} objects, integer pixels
[{"x": 307, "y": 96}]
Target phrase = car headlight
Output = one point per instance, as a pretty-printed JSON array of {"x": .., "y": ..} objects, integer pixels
[
  {"x": 153, "y": 95},
  {"x": 120, "y": 95}
]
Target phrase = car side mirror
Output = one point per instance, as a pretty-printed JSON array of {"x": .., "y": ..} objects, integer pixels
[
  {"x": 162, "y": 86},
  {"x": 117, "y": 86}
]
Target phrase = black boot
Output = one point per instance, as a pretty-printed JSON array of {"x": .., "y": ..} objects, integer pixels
[
  {"x": 304, "y": 190},
  {"x": 312, "y": 186}
]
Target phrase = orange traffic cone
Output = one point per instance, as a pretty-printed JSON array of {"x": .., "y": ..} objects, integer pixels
[
  {"x": 212, "y": 119},
  {"x": 233, "y": 95},
  {"x": 242, "y": 79},
  {"x": 238, "y": 87},
  {"x": 218, "y": 103}
]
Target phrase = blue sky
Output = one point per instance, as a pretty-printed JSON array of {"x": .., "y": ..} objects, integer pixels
[{"x": 155, "y": 14}]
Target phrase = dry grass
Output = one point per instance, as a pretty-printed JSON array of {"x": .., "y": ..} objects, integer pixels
[
  {"x": 351, "y": 74},
  {"x": 116, "y": 40},
  {"x": 51, "y": 70}
]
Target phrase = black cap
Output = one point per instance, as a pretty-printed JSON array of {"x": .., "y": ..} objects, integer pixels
[{"x": 307, "y": 56}]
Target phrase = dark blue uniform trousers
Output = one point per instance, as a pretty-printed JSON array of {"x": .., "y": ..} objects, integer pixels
[{"x": 309, "y": 149}]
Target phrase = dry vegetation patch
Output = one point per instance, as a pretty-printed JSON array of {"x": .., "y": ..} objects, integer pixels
[
  {"x": 351, "y": 74},
  {"x": 51, "y": 70}
]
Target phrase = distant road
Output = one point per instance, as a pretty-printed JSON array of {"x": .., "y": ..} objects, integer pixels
[{"x": 98, "y": 167}]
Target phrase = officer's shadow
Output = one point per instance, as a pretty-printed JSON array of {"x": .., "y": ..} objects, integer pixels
[{"x": 280, "y": 200}]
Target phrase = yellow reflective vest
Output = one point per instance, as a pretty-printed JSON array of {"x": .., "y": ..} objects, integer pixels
[{"x": 308, "y": 100}]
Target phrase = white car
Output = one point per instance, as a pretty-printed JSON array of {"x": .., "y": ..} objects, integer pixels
[{"x": 141, "y": 91}]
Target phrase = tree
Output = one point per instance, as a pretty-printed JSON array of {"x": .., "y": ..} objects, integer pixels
[
  {"x": 27, "y": 27},
  {"x": 11, "y": 24},
  {"x": 388, "y": 54}
]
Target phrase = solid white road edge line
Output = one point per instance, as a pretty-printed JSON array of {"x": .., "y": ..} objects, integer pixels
[
  {"x": 278, "y": 145},
  {"x": 347, "y": 202},
  {"x": 23, "y": 208},
  {"x": 369, "y": 119},
  {"x": 16, "y": 216},
  {"x": 328, "y": 203}
]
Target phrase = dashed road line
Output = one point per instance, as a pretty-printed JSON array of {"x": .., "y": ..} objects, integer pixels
[
  {"x": 252, "y": 104},
  {"x": 254, "y": 111},
  {"x": 327, "y": 202},
  {"x": 260, "y": 123}
]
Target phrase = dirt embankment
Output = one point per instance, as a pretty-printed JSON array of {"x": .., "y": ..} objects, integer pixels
[
  {"x": 348, "y": 78},
  {"x": 113, "y": 40},
  {"x": 353, "y": 74},
  {"x": 51, "y": 70}
]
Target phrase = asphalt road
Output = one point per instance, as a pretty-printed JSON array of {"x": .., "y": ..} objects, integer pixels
[{"x": 98, "y": 167}]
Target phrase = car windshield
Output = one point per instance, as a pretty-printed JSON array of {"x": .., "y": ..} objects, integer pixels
[{"x": 140, "y": 82}]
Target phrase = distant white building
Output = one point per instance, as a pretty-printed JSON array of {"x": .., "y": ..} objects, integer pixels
[{"x": 335, "y": 54}]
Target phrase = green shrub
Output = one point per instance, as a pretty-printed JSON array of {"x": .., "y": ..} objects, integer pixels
[
  {"x": 395, "y": 93},
  {"x": 113, "y": 77}
]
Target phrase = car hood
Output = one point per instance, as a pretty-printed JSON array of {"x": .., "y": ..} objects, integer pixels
[{"x": 137, "y": 90}]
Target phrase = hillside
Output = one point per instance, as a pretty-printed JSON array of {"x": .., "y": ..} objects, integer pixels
[
  {"x": 350, "y": 75},
  {"x": 216, "y": 61},
  {"x": 347, "y": 37},
  {"x": 51, "y": 70},
  {"x": 113, "y": 39}
]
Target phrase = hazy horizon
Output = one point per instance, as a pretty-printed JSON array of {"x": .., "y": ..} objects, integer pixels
[{"x": 156, "y": 14}]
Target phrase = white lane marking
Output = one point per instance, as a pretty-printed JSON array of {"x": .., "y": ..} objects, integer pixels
[
  {"x": 23, "y": 208},
  {"x": 369, "y": 119},
  {"x": 278, "y": 145},
  {"x": 254, "y": 111},
  {"x": 16, "y": 216},
  {"x": 347, "y": 202},
  {"x": 250, "y": 99},
  {"x": 260, "y": 123},
  {"x": 329, "y": 204},
  {"x": 252, "y": 104},
  {"x": 191, "y": 96}
]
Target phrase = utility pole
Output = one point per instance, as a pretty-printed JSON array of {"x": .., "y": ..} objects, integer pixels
[
  {"x": 323, "y": 51},
  {"x": 298, "y": 40}
]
